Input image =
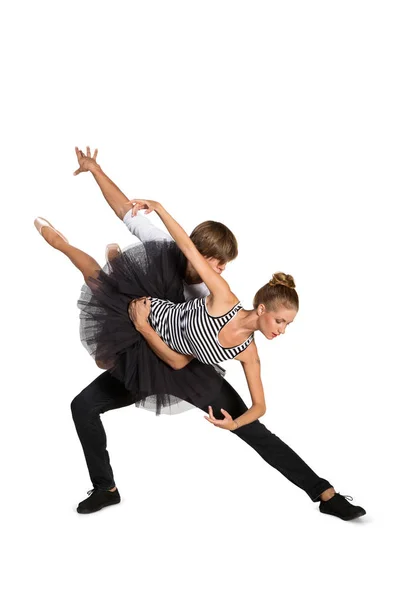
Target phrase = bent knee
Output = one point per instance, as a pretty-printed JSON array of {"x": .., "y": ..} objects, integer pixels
[
  {"x": 79, "y": 406},
  {"x": 104, "y": 364}
]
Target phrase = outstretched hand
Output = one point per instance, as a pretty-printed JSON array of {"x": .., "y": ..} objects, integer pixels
[
  {"x": 149, "y": 205},
  {"x": 226, "y": 423},
  {"x": 86, "y": 161}
]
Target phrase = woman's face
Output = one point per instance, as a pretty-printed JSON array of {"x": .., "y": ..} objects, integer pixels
[{"x": 274, "y": 323}]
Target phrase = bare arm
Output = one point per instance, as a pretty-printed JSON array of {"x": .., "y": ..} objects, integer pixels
[
  {"x": 173, "y": 359},
  {"x": 115, "y": 198},
  {"x": 138, "y": 312},
  {"x": 215, "y": 283},
  {"x": 251, "y": 365},
  {"x": 252, "y": 371}
]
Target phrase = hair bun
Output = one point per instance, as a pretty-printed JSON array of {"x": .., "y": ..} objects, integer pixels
[{"x": 282, "y": 279}]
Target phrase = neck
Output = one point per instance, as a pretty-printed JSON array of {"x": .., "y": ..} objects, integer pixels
[{"x": 246, "y": 321}]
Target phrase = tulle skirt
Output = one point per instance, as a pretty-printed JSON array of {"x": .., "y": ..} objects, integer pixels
[{"x": 154, "y": 269}]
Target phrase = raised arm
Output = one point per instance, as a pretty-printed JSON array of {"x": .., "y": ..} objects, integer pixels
[
  {"x": 215, "y": 283},
  {"x": 115, "y": 198},
  {"x": 139, "y": 226}
]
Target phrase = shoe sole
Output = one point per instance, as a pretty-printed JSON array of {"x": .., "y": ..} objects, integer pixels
[
  {"x": 89, "y": 512},
  {"x": 351, "y": 518}
]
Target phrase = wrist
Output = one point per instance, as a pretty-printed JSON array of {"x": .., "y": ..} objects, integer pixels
[
  {"x": 144, "y": 328},
  {"x": 236, "y": 425},
  {"x": 95, "y": 169}
]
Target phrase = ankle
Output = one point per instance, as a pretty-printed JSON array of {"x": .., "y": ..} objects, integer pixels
[
  {"x": 60, "y": 244},
  {"x": 327, "y": 494},
  {"x": 53, "y": 238}
]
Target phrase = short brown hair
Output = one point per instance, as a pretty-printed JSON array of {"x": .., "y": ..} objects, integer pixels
[
  {"x": 214, "y": 240},
  {"x": 279, "y": 290}
]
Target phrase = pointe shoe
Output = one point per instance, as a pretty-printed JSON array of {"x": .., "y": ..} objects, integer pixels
[
  {"x": 39, "y": 223},
  {"x": 112, "y": 251}
]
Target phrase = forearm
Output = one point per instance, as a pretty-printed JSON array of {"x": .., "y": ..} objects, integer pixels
[
  {"x": 252, "y": 414},
  {"x": 180, "y": 236},
  {"x": 115, "y": 198},
  {"x": 252, "y": 369},
  {"x": 164, "y": 352},
  {"x": 211, "y": 278}
]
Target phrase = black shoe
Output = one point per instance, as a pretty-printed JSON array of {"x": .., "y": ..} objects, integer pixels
[
  {"x": 338, "y": 506},
  {"x": 97, "y": 500}
]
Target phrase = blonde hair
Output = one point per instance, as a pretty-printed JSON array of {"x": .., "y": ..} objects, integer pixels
[
  {"x": 214, "y": 240},
  {"x": 280, "y": 289}
]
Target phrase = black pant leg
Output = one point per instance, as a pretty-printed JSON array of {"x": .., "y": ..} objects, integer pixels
[
  {"x": 272, "y": 449},
  {"x": 103, "y": 394}
]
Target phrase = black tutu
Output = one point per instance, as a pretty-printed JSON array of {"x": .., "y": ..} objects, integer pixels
[{"x": 154, "y": 269}]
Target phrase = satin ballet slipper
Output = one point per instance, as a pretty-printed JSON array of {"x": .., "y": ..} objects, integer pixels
[{"x": 39, "y": 223}]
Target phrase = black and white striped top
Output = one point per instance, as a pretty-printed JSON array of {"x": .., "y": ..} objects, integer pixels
[{"x": 189, "y": 329}]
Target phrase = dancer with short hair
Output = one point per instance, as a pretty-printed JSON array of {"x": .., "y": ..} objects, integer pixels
[{"x": 266, "y": 444}]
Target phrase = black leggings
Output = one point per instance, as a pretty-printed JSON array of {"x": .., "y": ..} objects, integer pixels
[{"x": 107, "y": 393}]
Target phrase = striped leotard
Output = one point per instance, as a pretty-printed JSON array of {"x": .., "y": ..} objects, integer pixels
[{"x": 188, "y": 328}]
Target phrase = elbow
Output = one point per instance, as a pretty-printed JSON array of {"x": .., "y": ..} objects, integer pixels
[
  {"x": 177, "y": 365},
  {"x": 122, "y": 211},
  {"x": 102, "y": 364}
]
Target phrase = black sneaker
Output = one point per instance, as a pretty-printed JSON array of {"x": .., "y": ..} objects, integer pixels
[
  {"x": 97, "y": 500},
  {"x": 338, "y": 506}
]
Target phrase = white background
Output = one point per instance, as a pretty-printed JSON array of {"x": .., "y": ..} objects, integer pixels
[{"x": 280, "y": 119}]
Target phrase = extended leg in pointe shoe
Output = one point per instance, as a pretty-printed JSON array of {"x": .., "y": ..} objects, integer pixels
[
  {"x": 39, "y": 223},
  {"x": 82, "y": 261}
]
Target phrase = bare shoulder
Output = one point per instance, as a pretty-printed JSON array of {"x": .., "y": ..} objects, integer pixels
[
  {"x": 223, "y": 288},
  {"x": 249, "y": 356},
  {"x": 222, "y": 302}
]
